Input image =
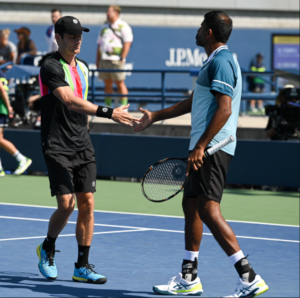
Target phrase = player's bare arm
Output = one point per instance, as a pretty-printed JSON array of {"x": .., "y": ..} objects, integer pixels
[
  {"x": 219, "y": 119},
  {"x": 76, "y": 104},
  {"x": 181, "y": 108}
]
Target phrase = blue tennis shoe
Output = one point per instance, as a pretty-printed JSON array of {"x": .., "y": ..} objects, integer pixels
[
  {"x": 46, "y": 262},
  {"x": 87, "y": 274}
]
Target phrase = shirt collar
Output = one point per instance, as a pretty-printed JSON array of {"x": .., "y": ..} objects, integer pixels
[{"x": 215, "y": 53}]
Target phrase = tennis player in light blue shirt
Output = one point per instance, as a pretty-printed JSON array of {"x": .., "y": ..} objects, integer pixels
[
  {"x": 221, "y": 73},
  {"x": 214, "y": 106}
]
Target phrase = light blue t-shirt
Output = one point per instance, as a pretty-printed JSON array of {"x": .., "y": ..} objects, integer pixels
[{"x": 220, "y": 73}]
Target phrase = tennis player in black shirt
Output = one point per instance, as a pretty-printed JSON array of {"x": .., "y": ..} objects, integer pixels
[{"x": 67, "y": 147}]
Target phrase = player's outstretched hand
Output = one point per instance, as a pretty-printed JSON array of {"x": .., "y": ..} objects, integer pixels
[
  {"x": 120, "y": 116},
  {"x": 145, "y": 121}
]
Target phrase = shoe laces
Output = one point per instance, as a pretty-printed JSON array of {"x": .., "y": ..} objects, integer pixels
[
  {"x": 237, "y": 288},
  {"x": 50, "y": 257},
  {"x": 173, "y": 279},
  {"x": 90, "y": 267}
]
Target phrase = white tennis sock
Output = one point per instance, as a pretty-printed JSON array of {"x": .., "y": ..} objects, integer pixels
[
  {"x": 0, "y": 164},
  {"x": 19, "y": 157},
  {"x": 190, "y": 255},
  {"x": 236, "y": 257}
]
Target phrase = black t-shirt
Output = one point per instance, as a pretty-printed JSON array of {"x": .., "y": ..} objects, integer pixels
[{"x": 62, "y": 129}]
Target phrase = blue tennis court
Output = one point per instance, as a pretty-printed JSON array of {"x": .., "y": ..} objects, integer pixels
[{"x": 135, "y": 252}]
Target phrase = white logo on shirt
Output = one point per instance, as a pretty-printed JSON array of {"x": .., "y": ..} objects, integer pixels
[
  {"x": 93, "y": 183},
  {"x": 75, "y": 21},
  {"x": 105, "y": 110}
]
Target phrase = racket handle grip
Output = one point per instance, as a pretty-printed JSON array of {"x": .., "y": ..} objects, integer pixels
[{"x": 219, "y": 146}]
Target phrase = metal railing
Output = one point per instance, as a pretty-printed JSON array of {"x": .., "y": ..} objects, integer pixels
[
  {"x": 165, "y": 95},
  {"x": 162, "y": 92}
]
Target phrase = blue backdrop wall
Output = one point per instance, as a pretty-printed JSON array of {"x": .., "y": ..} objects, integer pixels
[
  {"x": 166, "y": 48},
  {"x": 255, "y": 162}
]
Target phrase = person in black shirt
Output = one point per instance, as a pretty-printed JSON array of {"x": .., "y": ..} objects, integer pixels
[
  {"x": 283, "y": 127},
  {"x": 67, "y": 147}
]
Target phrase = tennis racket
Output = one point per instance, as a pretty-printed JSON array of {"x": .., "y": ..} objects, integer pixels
[{"x": 166, "y": 178}]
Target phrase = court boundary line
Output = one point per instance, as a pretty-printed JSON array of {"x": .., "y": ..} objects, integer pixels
[
  {"x": 135, "y": 229},
  {"x": 69, "y": 235},
  {"x": 158, "y": 215}
]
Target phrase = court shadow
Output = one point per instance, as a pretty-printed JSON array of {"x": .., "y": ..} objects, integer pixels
[{"x": 15, "y": 282}]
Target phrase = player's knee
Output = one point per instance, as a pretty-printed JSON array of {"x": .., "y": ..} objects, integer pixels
[
  {"x": 86, "y": 202},
  {"x": 66, "y": 205},
  {"x": 209, "y": 212}
]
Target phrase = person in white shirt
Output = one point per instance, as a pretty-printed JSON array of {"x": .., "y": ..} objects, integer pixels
[
  {"x": 50, "y": 34},
  {"x": 114, "y": 43},
  {"x": 8, "y": 50}
]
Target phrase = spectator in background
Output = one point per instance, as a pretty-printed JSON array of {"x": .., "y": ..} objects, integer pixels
[
  {"x": 8, "y": 50},
  {"x": 50, "y": 34},
  {"x": 273, "y": 131},
  {"x": 257, "y": 84},
  {"x": 114, "y": 43},
  {"x": 5, "y": 110},
  {"x": 25, "y": 44}
]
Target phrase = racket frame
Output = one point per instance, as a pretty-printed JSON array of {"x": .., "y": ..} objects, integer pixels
[
  {"x": 207, "y": 153},
  {"x": 150, "y": 168}
]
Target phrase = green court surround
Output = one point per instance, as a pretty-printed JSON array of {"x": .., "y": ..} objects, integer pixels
[{"x": 237, "y": 204}]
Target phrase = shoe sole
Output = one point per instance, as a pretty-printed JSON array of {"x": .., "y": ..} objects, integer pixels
[
  {"x": 27, "y": 166},
  {"x": 265, "y": 289},
  {"x": 175, "y": 294},
  {"x": 89, "y": 281},
  {"x": 39, "y": 256}
]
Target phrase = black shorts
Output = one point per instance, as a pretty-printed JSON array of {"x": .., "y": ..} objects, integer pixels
[
  {"x": 71, "y": 171},
  {"x": 209, "y": 181},
  {"x": 3, "y": 120}
]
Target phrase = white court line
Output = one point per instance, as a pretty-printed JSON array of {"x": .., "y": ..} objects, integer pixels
[
  {"x": 68, "y": 235},
  {"x": 71, "y": 222},
  {"x": 142, "y": 229},
  {"x": 157, "y": 215}
]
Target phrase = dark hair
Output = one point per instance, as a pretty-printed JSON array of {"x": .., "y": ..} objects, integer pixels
[
  {"x": 55, "y": 10},
  {"x": 220, "y": 23}
]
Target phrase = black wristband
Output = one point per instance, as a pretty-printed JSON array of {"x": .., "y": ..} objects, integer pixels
[{"x": 104, "y": 112}]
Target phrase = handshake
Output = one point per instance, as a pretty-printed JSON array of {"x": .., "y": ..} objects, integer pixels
[{"x": 120, "y": 116}]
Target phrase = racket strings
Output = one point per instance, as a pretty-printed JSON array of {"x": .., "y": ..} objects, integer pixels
[{"x": 165, "y": 179}]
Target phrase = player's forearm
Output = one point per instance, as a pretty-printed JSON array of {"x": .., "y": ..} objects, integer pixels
[
  {"x": 81, "y": 106},
  {"x": 176, "y": 110},
  {"x": 217, "y": 122},
  {"x": 126, "y": 48}
]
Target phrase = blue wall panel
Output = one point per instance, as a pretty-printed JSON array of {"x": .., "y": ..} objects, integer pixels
[
  {"x": 265, "y": 163},
  {"x": 151, "y": 49},
  {"x": 255, "y": 162},
  {"x": 131, "y": 156},
  {"x": 29, "y": 144}
]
